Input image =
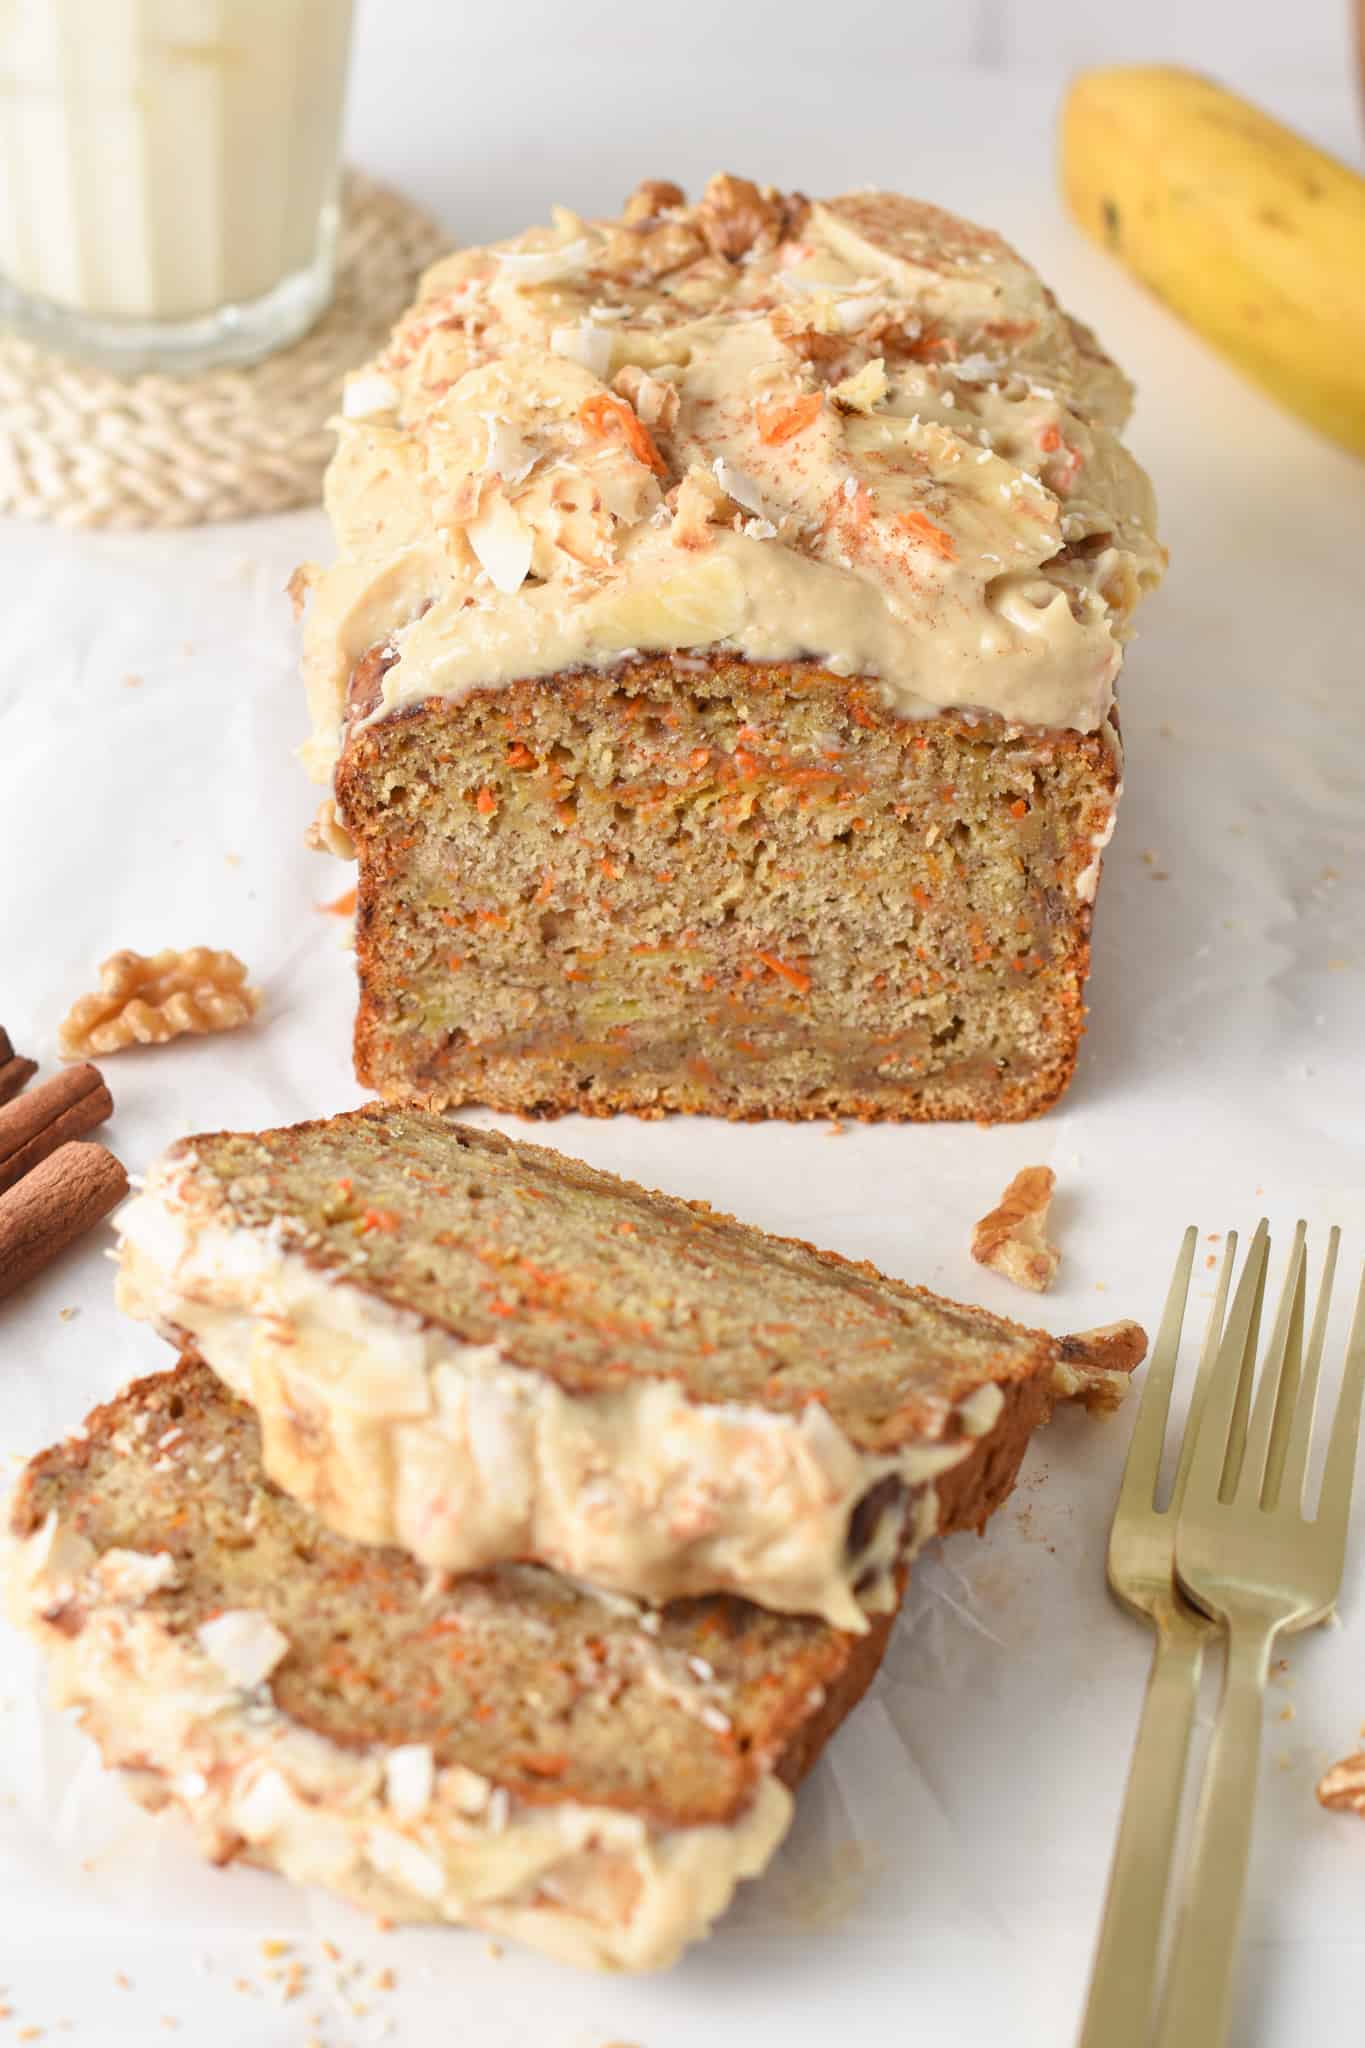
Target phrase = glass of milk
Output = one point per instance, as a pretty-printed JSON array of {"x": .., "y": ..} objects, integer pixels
[{"x": 168, "y": 175}]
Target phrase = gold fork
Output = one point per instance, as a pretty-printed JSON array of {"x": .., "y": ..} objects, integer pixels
[
  {"x": 1247, "y": 1553},
  {"x": 1143, "y": 1550},
  {"x": 1141, "y": 1565}
]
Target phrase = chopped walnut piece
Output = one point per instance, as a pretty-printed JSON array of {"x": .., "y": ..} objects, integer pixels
[
  {"x": 1096, "y": 1366},
  {"x": 327, "y": 834},
  {"x": 1343, "y": 1787},
  {"x": 795, "y": 209},
  {"x": 650, "y": 198},
  {"x": 669, "y": 245},
  {"x": 1011, "y": 1240},
  {"x": 651, "y": 248},
  {"x": 736, "y": 217},
  {"x": 147, "y": 998}
]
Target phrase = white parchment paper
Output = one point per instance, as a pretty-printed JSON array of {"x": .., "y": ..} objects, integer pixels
[{"x": 945, "y": 1874}]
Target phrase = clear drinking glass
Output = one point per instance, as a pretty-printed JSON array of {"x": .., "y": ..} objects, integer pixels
[{"x": 168, "y": 175}]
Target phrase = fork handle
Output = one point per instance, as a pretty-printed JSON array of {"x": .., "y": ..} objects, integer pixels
[
  {"x": 1118, "y": 2012},
  {"x": 1197, "y": 2008}
]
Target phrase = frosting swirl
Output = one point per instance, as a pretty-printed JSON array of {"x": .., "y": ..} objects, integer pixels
[{"x": 860, "y": 432}]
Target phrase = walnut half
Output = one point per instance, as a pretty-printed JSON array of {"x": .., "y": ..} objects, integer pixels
[{"x": 147, "y": 998}]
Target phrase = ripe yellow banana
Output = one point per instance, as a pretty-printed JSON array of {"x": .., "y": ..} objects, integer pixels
[{"x": 1244, "y": 229}]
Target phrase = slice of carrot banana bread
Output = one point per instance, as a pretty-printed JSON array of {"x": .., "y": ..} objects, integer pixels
[
  {"x": 510, "y": 1751},
  {"x": 716, "y": 681},
  {"x": 482, "y": 1350}
]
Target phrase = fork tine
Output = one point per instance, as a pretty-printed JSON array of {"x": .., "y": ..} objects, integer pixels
[
  {"x": 1334, "y": 1502},
  {"x": 1142, "y": 1467},
  {"x": 1207, "y": 1358},
  {"x": 1279, "y": 1379},
  {"x": 1237, "y": 1422},
  {"x": 1301, "y": 1435},
  {"x": 1225, "y": 1412}
]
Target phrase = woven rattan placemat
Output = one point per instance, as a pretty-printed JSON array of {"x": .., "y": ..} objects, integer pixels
[{"x": 82, "y": 447}]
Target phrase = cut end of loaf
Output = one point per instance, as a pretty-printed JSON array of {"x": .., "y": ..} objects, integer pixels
[{"x": 703, "y": 885}]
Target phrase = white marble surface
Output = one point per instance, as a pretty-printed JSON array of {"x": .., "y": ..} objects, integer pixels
[{"x": 945, "y": 1876}]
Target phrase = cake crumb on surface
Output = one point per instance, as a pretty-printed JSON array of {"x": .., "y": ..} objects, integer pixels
[{"x": 1012, "y": 1239}]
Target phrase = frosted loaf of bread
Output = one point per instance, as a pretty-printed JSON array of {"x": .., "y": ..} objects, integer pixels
[{"x": 727, "y": 614}]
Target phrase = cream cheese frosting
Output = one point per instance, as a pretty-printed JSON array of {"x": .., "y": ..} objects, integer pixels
[
  {"x": 394, "y": 1431},
  {"x": 859, "y": 432},
  {"x": 387, "y": 1829}
]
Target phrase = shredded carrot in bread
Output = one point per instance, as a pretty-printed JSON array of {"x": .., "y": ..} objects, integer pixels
[
  {"x": 799, "y": 981},
  {"x": 486, "y": 802},
  {"x": 603, "y": 414},
  {"x": 1049, "y": 440},
  {"x": 778, "y": 422},
  {"x": 520, "y": 756}
]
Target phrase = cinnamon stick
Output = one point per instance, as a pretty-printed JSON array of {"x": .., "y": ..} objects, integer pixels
[
  {"x": 34, "y": 1125},
  {"x": 15, "y": 1073},
  {"x": 47, "y": 1210}
]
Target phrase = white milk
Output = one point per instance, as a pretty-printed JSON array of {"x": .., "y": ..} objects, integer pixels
[{"x": 162, "y": 158}]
